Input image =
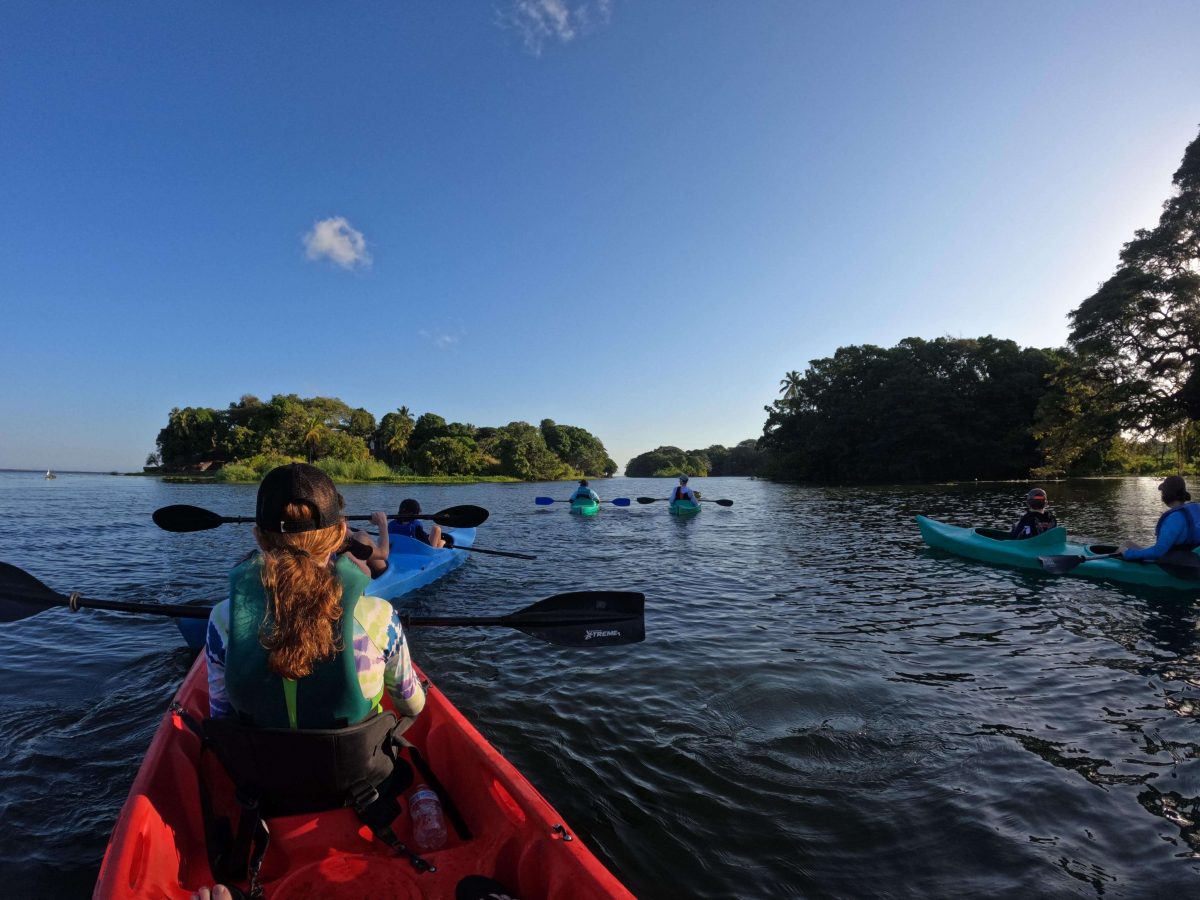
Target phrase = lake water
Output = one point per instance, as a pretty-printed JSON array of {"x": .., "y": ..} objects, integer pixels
[{"x": 822, "y": 707}]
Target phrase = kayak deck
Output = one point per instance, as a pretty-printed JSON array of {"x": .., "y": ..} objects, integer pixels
[
  {"x": 158, "y": 850},
  {"x": 414, "y": 564},
  {"x": 683, "y": 508},
  {"x": 585, "y": 506},
  {"x": 994, "y": 546}
]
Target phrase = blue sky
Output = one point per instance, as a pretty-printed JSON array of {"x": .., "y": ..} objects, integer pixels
[{"x": 630, "y": 216}]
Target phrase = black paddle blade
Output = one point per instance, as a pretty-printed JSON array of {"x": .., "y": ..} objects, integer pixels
[
  {"x": 465, "y": 516},
  {"x": 584, "y": 619},
  {"x": 1180, "y": 564},
  {"x": 22, "y": 595},
  {"x": 648, "y": 499},
  {"x": 723, "y": 502},
  {"x": 1061, "y": 565},
  {"x": 183, "y": 518}
]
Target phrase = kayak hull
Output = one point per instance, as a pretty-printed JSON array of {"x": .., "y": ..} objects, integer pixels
[
  {"x": 158, "y": 850},
  {"x": 585, "y": 506},
  {"x": 985, "y": 545},
  {"x": 683, "y": 508}
]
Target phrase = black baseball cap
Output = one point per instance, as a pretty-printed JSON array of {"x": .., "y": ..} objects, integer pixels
[{"x": 297, "y": 483}]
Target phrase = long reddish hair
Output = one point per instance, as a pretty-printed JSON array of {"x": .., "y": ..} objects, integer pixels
[{"x": 304, "y": 596}]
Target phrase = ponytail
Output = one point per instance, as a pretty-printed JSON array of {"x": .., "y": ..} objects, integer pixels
[{"x": 303, "y": 596}]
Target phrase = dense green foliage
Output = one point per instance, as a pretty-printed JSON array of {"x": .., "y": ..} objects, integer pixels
[
  {"x": 947, "y": 408},
  {"x": 665, "y": 462},
  {"x": 250, "y": 437},
  {"x": 1123, "y": 397},
  {"x": 1134, "y": 379}
]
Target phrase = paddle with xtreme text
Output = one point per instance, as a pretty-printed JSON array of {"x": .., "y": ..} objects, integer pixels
[
  {"x": 573, "y": 619},
  {"x": 182, "y": 518}
]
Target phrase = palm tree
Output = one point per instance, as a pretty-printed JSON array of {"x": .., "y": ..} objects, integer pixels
[
  {"x": 314, "y": 433},
  {"x": 789, "y": 386}
]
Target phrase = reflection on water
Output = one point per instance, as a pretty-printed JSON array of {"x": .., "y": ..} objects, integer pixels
[{"x": 822, "y": 707}]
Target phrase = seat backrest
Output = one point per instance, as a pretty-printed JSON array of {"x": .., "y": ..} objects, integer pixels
[{"x": 294, "y": 771}]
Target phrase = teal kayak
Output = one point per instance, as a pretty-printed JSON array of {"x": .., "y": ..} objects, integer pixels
[
  {"x": 684, "y": 508},
  {"x": 585, "y": 506},
  {"x": 993, "y": 546}
]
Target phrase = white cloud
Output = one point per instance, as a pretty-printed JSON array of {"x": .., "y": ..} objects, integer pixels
[
  {"x": 539, "y": 21},
  {"x": 337, "y": 240},
  {"x": 439, "y": 339}
]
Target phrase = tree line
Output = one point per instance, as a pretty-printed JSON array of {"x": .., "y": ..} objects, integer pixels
[
  {"x": 250, "y": 436},
  {"x": 667, "y": 462},
  {"x": 1122, "y": 396}
]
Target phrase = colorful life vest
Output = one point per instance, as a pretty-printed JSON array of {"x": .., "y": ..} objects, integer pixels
[{"x": 329, "y": 697}]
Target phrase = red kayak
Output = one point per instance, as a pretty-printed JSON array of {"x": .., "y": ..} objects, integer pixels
[{"x": 158, "y": 850}]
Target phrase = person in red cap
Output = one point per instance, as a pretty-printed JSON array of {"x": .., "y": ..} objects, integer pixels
[
  {"x": 1037, "y": 519},
  {"x": 1177, "y": 529}
]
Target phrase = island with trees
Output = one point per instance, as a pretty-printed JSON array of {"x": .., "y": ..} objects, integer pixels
[{"x": 243, "y": 441}]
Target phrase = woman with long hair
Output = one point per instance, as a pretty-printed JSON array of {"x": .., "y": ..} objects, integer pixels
[{"x": 297, "y": 644}]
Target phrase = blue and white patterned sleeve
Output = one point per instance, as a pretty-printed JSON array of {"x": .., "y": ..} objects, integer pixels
[{"x": 215, "y": 640}]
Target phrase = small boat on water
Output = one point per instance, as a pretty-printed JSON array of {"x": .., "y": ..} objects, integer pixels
[
  {"x": 50, "y": 475},
  {"x": 991, "y": 545}
]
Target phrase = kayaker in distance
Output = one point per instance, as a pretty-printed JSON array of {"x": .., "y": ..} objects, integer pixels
[
  {"x": 584, "y": 491},
  {"x": 1176, "y": 529},
  {"x": 414, "y": 529},
  {"x": 297, "y": 644},
  {"x": 683, "y": 492},
  {"x": 1037, "y": 519}
]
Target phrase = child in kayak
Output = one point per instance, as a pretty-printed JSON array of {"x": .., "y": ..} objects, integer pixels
[
  {"x": 1177, "y": 529},
  {"x": 412, "y": 527},
  {"x": 297, "y": 644},
  {"x": 1037, "y": 519},
  {"x": 584, "y": 491}
]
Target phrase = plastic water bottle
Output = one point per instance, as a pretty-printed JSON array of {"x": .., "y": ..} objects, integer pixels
[{"x": 428, "y": 825}]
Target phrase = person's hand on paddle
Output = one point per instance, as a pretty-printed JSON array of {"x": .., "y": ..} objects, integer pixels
[
  {"x": 379, "y": 520},
  {"x": 218, "y": 892}
]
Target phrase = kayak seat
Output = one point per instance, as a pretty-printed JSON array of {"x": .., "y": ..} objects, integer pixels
[
  {"x": 287, "y": 772},
  {"x": 296, "y": 771}
]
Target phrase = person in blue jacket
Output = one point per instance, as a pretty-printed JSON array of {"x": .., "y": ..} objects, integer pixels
[
  {"x": 584, "y": 491},
  {"x": 1177, "y": 529},
  {"x": 413, "y": 528}
]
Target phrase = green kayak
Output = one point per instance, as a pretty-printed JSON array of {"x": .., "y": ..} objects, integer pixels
[
  {"x": 684, "y": 508},
  {"x": 993, "y": 546},
  {"x": 585, "y": 506}
]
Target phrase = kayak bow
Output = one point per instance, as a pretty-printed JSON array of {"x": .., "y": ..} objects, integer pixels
[{"x": 158, "y": 847}]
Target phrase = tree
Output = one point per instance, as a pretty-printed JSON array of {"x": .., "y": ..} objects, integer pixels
[
  {"x": 1140, "y": 332},
  {"x": 392, "y": 436},
  {"x": 948, "y": 408},
  {"x": 789, "y": 385}
]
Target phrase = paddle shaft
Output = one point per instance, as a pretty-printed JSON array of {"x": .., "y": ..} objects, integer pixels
[{"x": 179, "y": 611}]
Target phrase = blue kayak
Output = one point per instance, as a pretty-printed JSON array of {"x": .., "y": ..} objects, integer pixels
[{"x": 412, "y": 564}]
